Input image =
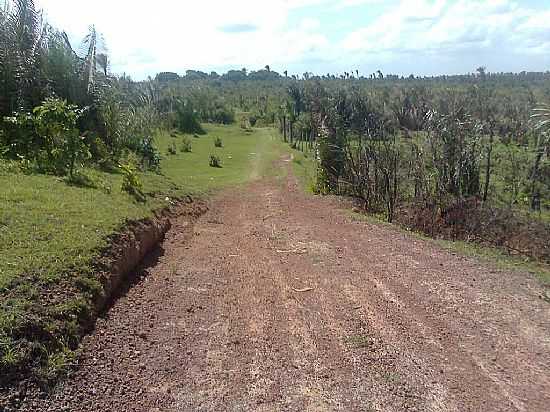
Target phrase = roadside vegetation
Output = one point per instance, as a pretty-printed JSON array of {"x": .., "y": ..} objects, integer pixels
[{"x": 465, "y": 161}]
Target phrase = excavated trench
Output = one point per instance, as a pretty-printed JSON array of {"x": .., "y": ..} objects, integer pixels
[{"x": 138, "y": 243}]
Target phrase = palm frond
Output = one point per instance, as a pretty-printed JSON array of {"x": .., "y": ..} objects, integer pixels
[{"x": 541, "y": 118}]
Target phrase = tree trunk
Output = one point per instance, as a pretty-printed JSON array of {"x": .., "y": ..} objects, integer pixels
[
  {"x": 535, "y": 191},
  {"x": 488, "y": 168}
]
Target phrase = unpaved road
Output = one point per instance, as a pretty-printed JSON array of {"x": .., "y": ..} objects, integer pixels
[{"x": 224, "y": 320}]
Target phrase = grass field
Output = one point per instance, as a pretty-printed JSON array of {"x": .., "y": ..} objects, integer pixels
[{"x": 50, "y": 231}]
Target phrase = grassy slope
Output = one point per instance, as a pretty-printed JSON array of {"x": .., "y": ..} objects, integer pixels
[
  {"x": 50, "y": 231},
  {"x": 47, "y": 226}
]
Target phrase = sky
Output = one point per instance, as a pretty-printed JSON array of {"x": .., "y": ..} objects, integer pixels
[{"x": 421, "y": 37}]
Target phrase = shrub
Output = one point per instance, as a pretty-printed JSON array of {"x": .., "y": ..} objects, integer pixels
[
  {"x": 149, "y": 155},
  {"x": 49, "y": 136},
  {"x": 186, "y": 146},
  {"x": 187, "y": 119},
  {"x": 215, "y": 161},
  {"x": 19, "y": 139},
  {"x": 101, "y": 154},
  {"x": 218, "y": 142},
  {"x": 56, "y": 125},
  {"x": 223, "y": 115},
  {"x": 172, "y": 148},
  {"x": 245, "y": 124},
  {"x": 131, "y": 183}
]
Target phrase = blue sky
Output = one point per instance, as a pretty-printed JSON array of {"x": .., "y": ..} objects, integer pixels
[{"x": 423, "y": 37}]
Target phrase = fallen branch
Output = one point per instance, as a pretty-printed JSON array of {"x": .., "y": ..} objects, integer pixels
[
  {"x": 303, "y": 290},
  {"x": 297, "y": 251}
]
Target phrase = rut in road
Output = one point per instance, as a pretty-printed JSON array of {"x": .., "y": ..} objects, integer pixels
[{"x": 279, "y": 301}]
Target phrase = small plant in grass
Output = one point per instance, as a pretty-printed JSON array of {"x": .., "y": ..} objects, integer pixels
[
  {"x": 360, "y": 341},
  {"x": 218, "y": 142},
  {"x": 172, "y": 148},
  {"x": 186, "y": 146},
  {"x": 148, "y": 155},
  {"x": 215, "y": 161},
  {"x": 8, "y": 353},
  {"x": 131, "y": 183}
]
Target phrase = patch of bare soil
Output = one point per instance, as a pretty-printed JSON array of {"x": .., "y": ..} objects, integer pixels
[{"x": 279, "y": 301}]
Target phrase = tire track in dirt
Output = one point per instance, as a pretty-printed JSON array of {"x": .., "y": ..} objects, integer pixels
[{"x": 223, "y": 320}]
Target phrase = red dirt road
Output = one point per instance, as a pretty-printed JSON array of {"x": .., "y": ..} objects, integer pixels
[{"x": 278, "y": 301}]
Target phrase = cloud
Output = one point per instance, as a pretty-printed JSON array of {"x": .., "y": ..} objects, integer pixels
[
  {"x": 183, "y": 35},
  {"x": 313, "y": 35},
  {"x": 446, "y": 27},
  {"x": 238, "y": 28}
]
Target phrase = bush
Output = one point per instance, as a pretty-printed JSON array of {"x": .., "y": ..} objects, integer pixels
[
  {"x": 218, "y": 142},
  {"x": 18, "y": 139},
  {"x": 215, "y": 161},
  {"x": 131, "y": 183},
  {"x": 49, "y": 136},
  {"x": 172, "y": 148},
  {"x": 149, "y": 155},
  {"x": 187, "y": 119},
  {"x": 223, "y": 115},
  {"x": 245, "y": 124},
  {"x": 186, "y": 146},
  {"x": 56, "y": 125},
  {"x": 101, "y": 154}
]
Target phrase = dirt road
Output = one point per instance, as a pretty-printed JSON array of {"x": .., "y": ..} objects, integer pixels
[{"x": 276, "y": 301}]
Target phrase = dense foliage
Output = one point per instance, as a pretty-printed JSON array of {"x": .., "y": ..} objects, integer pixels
[
  {"x": 465, "y": 159},
  {"x": 61, "y": 110}
]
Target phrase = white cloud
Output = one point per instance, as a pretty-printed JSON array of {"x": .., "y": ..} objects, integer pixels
[
  {"x": 445, "y": 27},
  {"x": 144, "y": 38},
  {"x": 169, "y": 35}
]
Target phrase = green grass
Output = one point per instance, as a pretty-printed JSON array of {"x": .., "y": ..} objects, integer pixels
[
  {"x": 48, "y": 226},
  {"x": 50, "y": 232},
  {"x": 244, "y": 156},
  {"x": 303, "y": 166},
  {"x": 360, "y": 341}
]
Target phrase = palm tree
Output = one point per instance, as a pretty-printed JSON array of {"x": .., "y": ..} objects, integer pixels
[
  {"x": 23, "y": 38},
  {"x": 90, "y": 42}
]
